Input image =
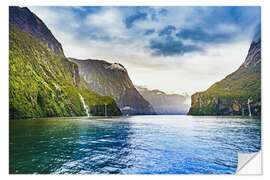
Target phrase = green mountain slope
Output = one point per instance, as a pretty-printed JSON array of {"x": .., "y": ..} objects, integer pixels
[
  {"x": 30, "y": 23},
  {"x": 43, "y": 84},
  {"x": 232, "y": 95}
]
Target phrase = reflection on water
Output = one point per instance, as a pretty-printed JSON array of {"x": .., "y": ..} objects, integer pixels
[{"x": 131, "y": 145}]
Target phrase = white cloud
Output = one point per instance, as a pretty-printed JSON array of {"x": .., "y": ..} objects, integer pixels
[
  {"x": 194, "y": 73},
  {"x": 189, "y": 73},
  {"x": 109, "y": 20}
]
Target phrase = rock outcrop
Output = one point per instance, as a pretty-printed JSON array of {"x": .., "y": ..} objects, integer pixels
[
  {"x": 113, "y": 80},
  {"x": 237, "y": 94}
]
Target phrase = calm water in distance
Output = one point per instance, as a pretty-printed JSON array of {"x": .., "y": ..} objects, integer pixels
[{"x": 131, "y": 145}]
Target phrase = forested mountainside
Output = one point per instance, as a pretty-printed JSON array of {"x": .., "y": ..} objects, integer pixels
[
  {"x": 43, "y": 83},
  {"x": 237, "y": 94},
  {"x": 28, "y": 22}
]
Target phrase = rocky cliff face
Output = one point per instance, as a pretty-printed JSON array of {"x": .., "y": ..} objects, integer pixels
[
  {"x": 42, "y": 82},
  {"x": 30, "y": 23},
  {"x": 166, "y": 103},
  {"x": 237, "y": 94},
  {"x": 113, "y": 80}
]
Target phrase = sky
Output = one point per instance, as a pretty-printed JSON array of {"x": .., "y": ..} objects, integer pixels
[{"x": 173, "y": 49}]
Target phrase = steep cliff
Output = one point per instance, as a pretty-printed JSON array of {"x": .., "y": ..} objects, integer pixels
[
  {"x": 238, "y": 94},
  {"x": 165, "y": 103},
  {"x": 45, "y": 84},
  {"x": 113, "y": 80},
  {"x": 30, "y": 23}
]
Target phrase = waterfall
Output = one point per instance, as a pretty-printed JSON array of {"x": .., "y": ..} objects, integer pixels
[
  {"x": 74, "y": 77},
  {"x": 84, "y": 105},
  {"x": 249, "y": 107},
  {"x": 105, "y": 110}
]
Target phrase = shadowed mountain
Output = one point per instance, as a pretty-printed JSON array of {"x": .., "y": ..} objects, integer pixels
[
  {"x": 113, "y": 80},
  {"x": 237, "y": 94}
]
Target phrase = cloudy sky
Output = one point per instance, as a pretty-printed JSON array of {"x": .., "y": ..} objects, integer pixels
[{"x": 174, "y": 49}]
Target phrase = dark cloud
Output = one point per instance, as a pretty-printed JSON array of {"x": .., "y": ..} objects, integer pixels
[
  {"x": 201, "y": 25},
  {"x": 208, "y": 30},
  {"x": 149, "y": 31},
  {"x": 200, "y": 35},
  {"x": 140, "y": 13},
  {"x": 163, "y": 12},
  {"x": 153, "y": 13},
  {"x": 167, "y": 30},
  {"x": 239, "y": 15},
  {"x": 170, "y": 47},
  {"x": 130, "y": 20}
]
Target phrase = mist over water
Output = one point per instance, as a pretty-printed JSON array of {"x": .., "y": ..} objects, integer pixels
[{"x": 131, "y": 145}]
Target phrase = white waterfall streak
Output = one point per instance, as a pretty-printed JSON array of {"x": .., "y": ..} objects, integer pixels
[
  {"x": 85, "y": 106},
  {"x": 249, "y": 107},
  {"x": 105, "y": 110}
]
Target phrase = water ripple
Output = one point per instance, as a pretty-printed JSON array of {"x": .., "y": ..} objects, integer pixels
[{"x": 131, "y": 145}]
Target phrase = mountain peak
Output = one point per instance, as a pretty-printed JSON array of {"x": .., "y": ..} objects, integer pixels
[
  {"x": 116, "y": 66},
  {"x": 232, "y": 95},
  {"x": 28, "y": 22},
  {"x": 254, "y": 53}
]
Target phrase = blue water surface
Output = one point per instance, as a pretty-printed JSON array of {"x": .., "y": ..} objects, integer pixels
[{"x": 131, "y": 145}]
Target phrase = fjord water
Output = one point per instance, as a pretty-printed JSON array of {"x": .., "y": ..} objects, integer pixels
[{"x": 131, "y": 145}]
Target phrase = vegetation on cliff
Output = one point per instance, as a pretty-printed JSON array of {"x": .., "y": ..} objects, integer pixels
[
  {"x": 237, "y": 94},
  {"x": 30, "y": 23},
  {"x": 43, "y": 84}
]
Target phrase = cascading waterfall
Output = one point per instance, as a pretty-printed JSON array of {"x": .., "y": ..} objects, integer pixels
[
  {"x": 249, "y": 107},
  {"x": 105, "y": 110},
  {"x": 84, "y": 105}
]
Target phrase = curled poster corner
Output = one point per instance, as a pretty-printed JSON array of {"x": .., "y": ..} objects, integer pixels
[{"x": 249, "y": 164}]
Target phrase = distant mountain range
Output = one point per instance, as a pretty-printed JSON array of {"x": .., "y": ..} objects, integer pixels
[
  {"x": 166, "y": 104},
  {"x": 237, "y": 94}
]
